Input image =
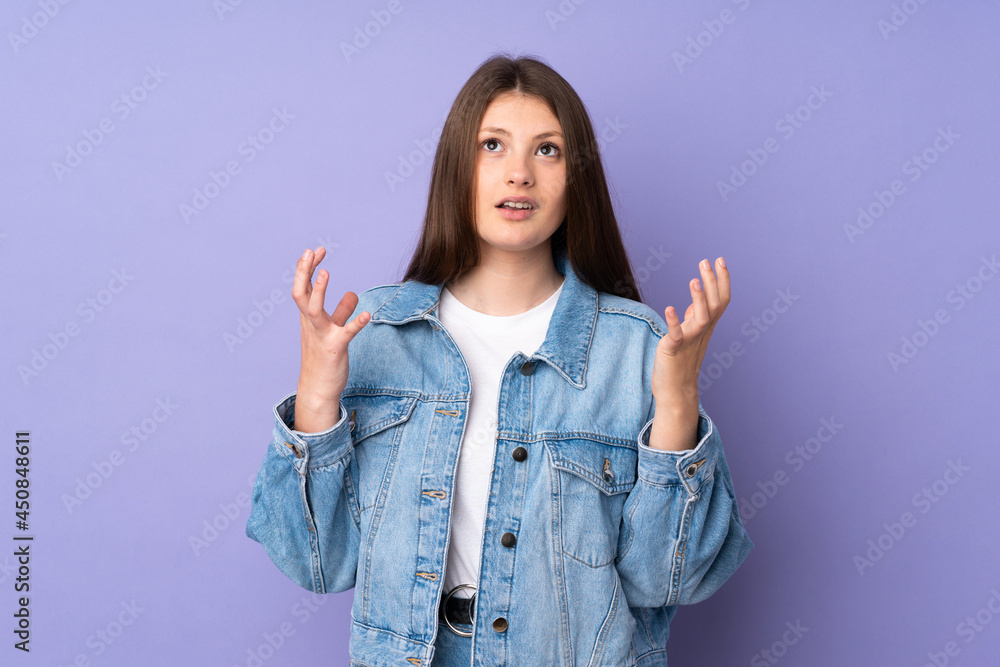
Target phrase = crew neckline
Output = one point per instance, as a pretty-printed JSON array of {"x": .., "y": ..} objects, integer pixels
[{"x": 471, "y": 312}]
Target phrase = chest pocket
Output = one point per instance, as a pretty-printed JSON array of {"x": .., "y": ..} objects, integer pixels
[
  {"x": 376, "y": 423},
  {"x": 593, "y": 479}
]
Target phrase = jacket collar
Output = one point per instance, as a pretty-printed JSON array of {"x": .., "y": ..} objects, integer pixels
[{"x": 567, "y": 340}]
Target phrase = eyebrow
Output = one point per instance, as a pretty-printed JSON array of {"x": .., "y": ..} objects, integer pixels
[{"x": 500, "y": 130}]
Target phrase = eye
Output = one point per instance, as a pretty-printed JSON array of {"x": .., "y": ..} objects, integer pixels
[{"x": 553, "y": 147}]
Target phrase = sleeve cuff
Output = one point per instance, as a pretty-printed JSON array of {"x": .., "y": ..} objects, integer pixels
[
  {"x": 690, "y": 467},
  {"x": 310, "y": 450}
]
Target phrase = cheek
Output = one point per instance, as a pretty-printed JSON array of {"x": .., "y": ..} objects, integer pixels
[
  {"x": 558, "y": 181},
  {"x": 484, "y": 177},
  {"x": 558, "y": 194}
]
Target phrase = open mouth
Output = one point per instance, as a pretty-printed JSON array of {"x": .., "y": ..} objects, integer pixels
[{"x": 516, "y": 206}]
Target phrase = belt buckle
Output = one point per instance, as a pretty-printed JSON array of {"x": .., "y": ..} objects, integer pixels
[{"x": 471, "y": 601}]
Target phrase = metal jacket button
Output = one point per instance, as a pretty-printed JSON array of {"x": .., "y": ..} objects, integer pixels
[
  {"x": 500, "y": 624},
  {"x": 691, "y": 470},
  {"x": 527, "y": 368},
  {"x": 519, "y": 453},
  {"x": 508, "y": 540}
]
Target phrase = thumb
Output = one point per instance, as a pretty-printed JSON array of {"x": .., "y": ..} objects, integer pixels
[
  {"x": 353, "y": 327},
  {"x": 674, "y": 336}
]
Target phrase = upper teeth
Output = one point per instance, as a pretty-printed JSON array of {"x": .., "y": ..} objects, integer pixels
[{"x": 516, "y": 204}]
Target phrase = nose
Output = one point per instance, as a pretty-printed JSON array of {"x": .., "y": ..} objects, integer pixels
[{"x": 519, "y": 170}]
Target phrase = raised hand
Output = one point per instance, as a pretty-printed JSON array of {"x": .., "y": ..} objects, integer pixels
[
  {"x": 679, "y": 355},
  {"x": 325, "y": 368}
]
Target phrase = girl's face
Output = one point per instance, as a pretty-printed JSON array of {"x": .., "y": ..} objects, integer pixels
[{"x": 519, "y": 154}]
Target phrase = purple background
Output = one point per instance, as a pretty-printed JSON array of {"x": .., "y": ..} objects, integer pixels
[{"x": 672, "y": 132}]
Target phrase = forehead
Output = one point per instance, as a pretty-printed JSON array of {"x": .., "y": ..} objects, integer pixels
[{"x": 514, "y": 112}]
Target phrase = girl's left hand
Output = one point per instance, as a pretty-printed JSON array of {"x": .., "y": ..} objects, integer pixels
[{"x": 681, "y": 351}]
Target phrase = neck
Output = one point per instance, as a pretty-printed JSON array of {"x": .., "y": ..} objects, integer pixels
[{"x": 508, "y": 283}]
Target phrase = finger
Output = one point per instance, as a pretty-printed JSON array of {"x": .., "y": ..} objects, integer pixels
[
  {"x": 699, "y": 303},
  {"x": 710, "y": 287},
  {"x": 674, "y": 331},
  {"x": 320, "y": 253},
  {"x": 317, "y": 256},
  {"x": 724, "y": 285},
  {"x": 317, "y": 297},
  {"x": 344, "y": 309},
  {"x": 302, "y": 285}
]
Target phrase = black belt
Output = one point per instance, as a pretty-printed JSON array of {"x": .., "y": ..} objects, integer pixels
[{"x": 458, "y": 610}]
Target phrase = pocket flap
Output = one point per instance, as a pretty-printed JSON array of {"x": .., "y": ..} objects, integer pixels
[
  {"x": 611, "y": 468},
  {"x": 369, "y": 414}
]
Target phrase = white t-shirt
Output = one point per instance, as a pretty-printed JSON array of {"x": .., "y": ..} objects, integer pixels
[{"x": 487, "y": 342}]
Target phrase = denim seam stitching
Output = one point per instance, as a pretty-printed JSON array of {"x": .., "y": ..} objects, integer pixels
[
  {"x": 353, "y": 499},
  {"x": 679, "y": 550},
  {"x": 621, "y": 311},
  {"x": 599, "y": 645},
  {"x": 316, "y": 564},
  {"x": 558, "y": 567},
  {"x": 376, "y": 523},
  {"x": 627, "y": 443}
]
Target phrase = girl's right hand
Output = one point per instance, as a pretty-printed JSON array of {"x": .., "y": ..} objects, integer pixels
[{"x": 325, "y": 368}]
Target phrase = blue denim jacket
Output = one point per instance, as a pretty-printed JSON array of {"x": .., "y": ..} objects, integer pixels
[{"x": 610, "y": 534}]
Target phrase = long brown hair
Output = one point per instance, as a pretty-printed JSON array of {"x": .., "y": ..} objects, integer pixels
[{"x": 589, "y": 234}]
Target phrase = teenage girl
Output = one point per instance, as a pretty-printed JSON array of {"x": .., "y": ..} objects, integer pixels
[{"x": 515, "y": 464}]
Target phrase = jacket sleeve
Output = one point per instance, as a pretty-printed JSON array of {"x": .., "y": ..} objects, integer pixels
[
  {"x": 304, "y": 509},
  {"x": 681, "y": 536}
]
